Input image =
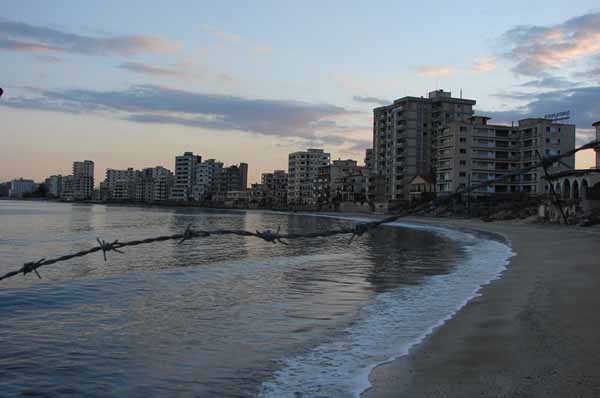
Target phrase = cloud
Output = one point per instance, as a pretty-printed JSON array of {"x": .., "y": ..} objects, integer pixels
[
  {"x": 140, "y": 67},
  {"x": 549, "y": 82},
  {"x": 371, "y": 100},
  {"x": 592, "y": 74},
  {"x": 51, "y": 59},
  {"x": 236, "y": 39},
  {"x": 537, "y": 49},
  {"x": 262, "y": 49},
  {"x": 581, "y": 101},
  {"x": 161, "y": 105},
  {"x": 435, "y": 71},
  {"x": 228, "y": 37},
  {"x": 484, "y": 66},
  {"x": 23, "y": 37}
]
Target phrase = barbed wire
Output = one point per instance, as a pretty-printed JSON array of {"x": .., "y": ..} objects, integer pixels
[{"x": 357, "y": 230}]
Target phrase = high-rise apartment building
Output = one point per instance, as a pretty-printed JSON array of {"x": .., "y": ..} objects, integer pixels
[
  {"x": 206, "y": 173},
  {"x": 473, "y": 151},
  {"x": 402, "y": 135},
  {"x": 83, "y": 179},
  {"x": 185, "y": 175},
  {"x": 303, "y": 171}
]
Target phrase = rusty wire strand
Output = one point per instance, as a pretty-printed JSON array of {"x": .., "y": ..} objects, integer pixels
[{"x": 357, "y": 230}]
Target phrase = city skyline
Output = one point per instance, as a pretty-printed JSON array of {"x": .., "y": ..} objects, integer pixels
[{"x": 254, "y": 84}]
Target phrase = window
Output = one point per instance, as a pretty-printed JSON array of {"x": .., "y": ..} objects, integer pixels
[
  {"x": 463, "y": 150},
  {"x": 462, "y": 139},
  {"x": 462, "y": 162},
  {"x": 462, "y": 174}
]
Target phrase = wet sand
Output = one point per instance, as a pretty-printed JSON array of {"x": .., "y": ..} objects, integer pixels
[{"x": 535, "y": 332}]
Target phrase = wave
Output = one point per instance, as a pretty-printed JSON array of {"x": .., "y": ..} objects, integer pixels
[{"x": 389, "y": 325}]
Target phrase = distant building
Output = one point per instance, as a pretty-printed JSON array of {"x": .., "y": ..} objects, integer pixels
[
  {"x": 185, "y": 175},
  {"x": 342, "y": 181},
  {"x": 20, "y": 187},
  {"x": 206, "y": 173},
  {"x": 232, "y": 178},
  {"x": 83, "y": 179},
  {"x": 67, "y": 187},
  {"x": 54, "y": 185},
  {"x": 303, "y": 171},
  {"x": 275, "y": 187}
]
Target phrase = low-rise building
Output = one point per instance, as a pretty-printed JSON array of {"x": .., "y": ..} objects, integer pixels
[
  {"x": 275, "y": 186},
  {"x": 342, "y": 181},
  {"x": 21, "y": 187},
  {"x": 54, "y": 186}
]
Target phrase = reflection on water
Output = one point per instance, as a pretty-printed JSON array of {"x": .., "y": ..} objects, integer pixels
[{"x": 210, "y": 317}]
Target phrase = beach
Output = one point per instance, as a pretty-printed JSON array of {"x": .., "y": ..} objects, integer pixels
[{"x": 531, "y": 333}]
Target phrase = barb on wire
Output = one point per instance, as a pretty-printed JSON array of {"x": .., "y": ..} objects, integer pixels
[
  {"x": 106, "y": 247},
  {"x": 268, "y": 235}
]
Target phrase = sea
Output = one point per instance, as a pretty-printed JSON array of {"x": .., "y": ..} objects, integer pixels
[{"x": 223, "y": 316}]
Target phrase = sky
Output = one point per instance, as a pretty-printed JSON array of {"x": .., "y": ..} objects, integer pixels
[{"x": 132, "y": 84}]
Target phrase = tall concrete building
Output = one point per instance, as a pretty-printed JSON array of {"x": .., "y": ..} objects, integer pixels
[
  {"x": 303, "y": 172},
  {"x": 83, "y": 179},
  {"x": 206, "y": 173},
  {"x": 473, "y": 151},
  {"x": 402, "y": 135},
  {"x": 185, "y": 175}
]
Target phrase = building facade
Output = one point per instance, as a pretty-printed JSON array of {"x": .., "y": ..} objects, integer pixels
[
  {"x": 20, "y": 187},
  {"x": 303, "y": 171},
  {"x": 232, "y": 178},
  {"x": 472, "y": 151},
  {"x": 204, "y": 184},
  {"x": 54, "y": 185},
  {"x": 83, "y": 180},
  {"x": 275, "y": 186},
  {"x": 185, "y": 175},
  {"x": 402, "y": 135},
  {"x": 342, "y": 181}
]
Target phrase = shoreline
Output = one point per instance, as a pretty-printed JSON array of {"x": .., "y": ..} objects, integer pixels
[{"x": 530, "y": 332}]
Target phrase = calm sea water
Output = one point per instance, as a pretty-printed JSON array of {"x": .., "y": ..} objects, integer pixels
[{"x": 219, "y": 317}]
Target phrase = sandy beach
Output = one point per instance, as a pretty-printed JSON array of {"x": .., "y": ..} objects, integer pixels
[{"x": 532, "y": 333}]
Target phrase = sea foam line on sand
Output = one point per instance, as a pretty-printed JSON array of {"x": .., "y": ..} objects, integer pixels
[{"x": 390, "y": 325}]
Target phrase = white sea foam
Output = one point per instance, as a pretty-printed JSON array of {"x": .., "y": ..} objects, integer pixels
[{"x": 389, "y": 325}]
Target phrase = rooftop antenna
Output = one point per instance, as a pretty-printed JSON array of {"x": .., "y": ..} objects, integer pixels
[{"x": 461, "y": 93}]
